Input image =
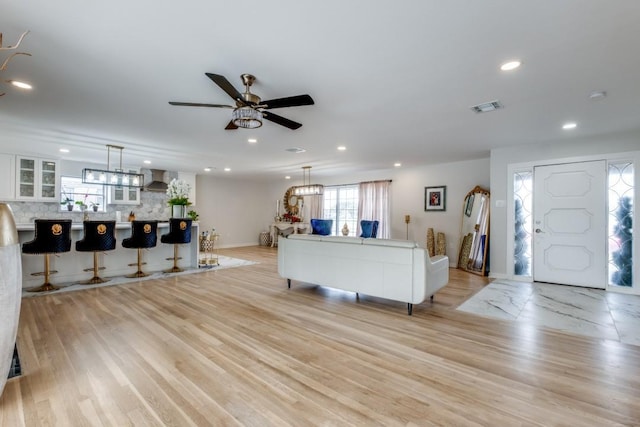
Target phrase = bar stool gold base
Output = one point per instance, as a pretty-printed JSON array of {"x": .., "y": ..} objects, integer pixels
[
  {"x": 175, "y": 268},
  {"x": 138, "y": 273},
  {"x": 95, "y": 279},
  {"x": 45, "y": 287}
]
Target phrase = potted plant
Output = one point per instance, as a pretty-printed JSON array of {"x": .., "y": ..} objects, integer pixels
[
  {"x": 82, "y": 205},
  {"x": 69, "y": 202},
  {"x": 178, "y": 192},
  {"x": 95, "y": 206},
  {"x": 193, "y": 215}
]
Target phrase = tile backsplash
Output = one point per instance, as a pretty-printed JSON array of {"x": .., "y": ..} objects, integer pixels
[{"x": 152, "y": 206}]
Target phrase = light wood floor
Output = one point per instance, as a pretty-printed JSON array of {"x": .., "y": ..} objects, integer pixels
[{"x": 236, "y": 347}]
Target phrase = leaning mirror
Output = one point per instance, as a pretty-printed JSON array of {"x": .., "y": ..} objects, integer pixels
[{"x": 474, "y": 232}]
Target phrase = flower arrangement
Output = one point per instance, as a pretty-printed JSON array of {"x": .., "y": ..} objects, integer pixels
[
  {"x": 178, "y": 192},
  {"x": 290, "y": 218}
]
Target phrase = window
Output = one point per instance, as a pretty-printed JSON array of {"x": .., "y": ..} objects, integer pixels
[
  {"x": 74, "y": 193},
  {"x": 341, "y": 205},
  {"x": 621, "y": 191},
  {"x": 522, "y": 197}
]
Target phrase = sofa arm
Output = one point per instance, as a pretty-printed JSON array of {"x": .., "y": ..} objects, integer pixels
[{"x": 437, "y": 273}]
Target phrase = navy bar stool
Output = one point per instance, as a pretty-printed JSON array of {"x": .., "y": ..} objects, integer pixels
[
  {"x": 179, "y": 233},
  {"x": 99, "y": 236},
  {"x": 144, "y": 235},
  {"x": 52, "y": 236}
]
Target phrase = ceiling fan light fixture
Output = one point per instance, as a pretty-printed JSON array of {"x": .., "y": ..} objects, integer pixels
[{"x": 246, "y": 118}]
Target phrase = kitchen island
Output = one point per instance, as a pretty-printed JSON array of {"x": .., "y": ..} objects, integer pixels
[{"x": 70, "y": 265}]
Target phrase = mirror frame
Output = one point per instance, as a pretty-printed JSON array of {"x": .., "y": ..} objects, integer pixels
[
  {"x": 288, "y": 207},
  {"x": 467, "y": 208}
]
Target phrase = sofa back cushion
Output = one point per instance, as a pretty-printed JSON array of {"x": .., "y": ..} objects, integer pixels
[{"x": 321, "y": 226}]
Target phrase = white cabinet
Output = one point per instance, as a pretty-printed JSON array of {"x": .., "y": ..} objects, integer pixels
[
  {"x": 37, "y": 179},
  {"x": 124, "y": 195},
  {"x": 189, "y": 178},
  {"x": 7, "y": 177}
]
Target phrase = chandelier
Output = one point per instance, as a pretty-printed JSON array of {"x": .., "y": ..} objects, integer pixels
[
  {"x": 308, "y": 189},
  {"x": 117, "y": 177},
  {"x": 246, "y": 117}
]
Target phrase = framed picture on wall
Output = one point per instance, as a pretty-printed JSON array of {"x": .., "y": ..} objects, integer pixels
[{"x": 435, "y": 198}]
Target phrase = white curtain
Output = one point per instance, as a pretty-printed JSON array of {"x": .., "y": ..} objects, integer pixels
[
  {"x": 315, "y": 205},
  {"x": 374, "y": 204}
]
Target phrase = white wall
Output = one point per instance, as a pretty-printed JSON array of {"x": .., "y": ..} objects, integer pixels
[
  {"x": 540, "y": 154},
  {"x": 407, "y": 197},
  {"x": 238, "y": 209}
]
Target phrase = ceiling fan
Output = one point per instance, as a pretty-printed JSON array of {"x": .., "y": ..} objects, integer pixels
[{"x": 250, "y": 109}]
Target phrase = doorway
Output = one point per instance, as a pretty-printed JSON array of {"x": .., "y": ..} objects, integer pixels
[{"x": 569, "y": 224}]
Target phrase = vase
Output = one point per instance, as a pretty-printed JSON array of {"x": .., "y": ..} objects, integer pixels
[
  {"x": 345, "y": 230},
  {"x": 178, "y": 211}
]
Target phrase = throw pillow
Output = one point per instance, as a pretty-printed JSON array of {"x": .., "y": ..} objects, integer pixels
[
  {"x": 369, "y": 229},
  {"x": 321, "y": 226}
]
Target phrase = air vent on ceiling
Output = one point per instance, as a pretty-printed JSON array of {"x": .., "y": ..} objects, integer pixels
[
  {"x": 295, "y": 150},
  {"x": 485, "y": 107}
]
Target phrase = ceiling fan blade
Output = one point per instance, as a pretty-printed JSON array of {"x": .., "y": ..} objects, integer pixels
[
  {"x": 231, "y": 126},
  {"x": 281, "y": 120},
  {"x": 291, "y": 101},
  {"x": 226, "y": 86},
  {"x": 193, "y": 104}
]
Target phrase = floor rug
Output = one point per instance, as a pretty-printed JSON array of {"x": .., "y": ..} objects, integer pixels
[
  {"x": 583, "y": 311},
  {"x": 223, "y": 263}
]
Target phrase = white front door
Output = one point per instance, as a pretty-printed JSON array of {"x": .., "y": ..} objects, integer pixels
[{"x": 569, "y": 225}]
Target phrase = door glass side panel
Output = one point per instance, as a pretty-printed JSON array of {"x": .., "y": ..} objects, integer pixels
[
  {"x": 620, "y": 223},
  {"x": 522, "y": 197}
]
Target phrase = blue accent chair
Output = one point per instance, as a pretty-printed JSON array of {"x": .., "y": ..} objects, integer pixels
[
  {"x": 369, "y": 228},
  {"x": 321, "y": 226}
]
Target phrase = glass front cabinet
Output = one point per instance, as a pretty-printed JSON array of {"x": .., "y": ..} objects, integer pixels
[
  {"x": 125, "y": 195},
  {"x": 37, "y": 179}
]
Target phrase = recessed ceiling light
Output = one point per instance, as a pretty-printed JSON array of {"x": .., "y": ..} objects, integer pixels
[
  {"x": 147, "y": 162},
  {"x": 342, "y": 148},
  {"x": 64, "y": 150},
  {"x": 569, "y": 125},
  {"x": 21, "y": 85},
  {"x": 227, "y": 169},
  {"x": 511, "y": 65},
  {"x": 287, "y": 177},
  {"x": 207, "y": 169},
  {"x": 397, "y": 164},
  {"x": 252, "y": 140}
]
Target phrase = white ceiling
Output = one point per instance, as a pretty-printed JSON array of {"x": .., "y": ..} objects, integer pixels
[{"x": 392, "y": 81}]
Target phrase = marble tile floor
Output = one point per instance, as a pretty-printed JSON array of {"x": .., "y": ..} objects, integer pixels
[{"x": 583, "y": 311}]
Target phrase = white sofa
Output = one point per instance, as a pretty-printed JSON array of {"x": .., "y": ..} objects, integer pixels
[{"x": 393, "y": 269}]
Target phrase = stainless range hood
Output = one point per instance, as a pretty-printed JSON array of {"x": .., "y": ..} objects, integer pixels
[{"x": 157, "y": 181}]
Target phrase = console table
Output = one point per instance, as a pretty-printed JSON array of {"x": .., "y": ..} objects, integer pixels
[{"x": 277, "y": 227}]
